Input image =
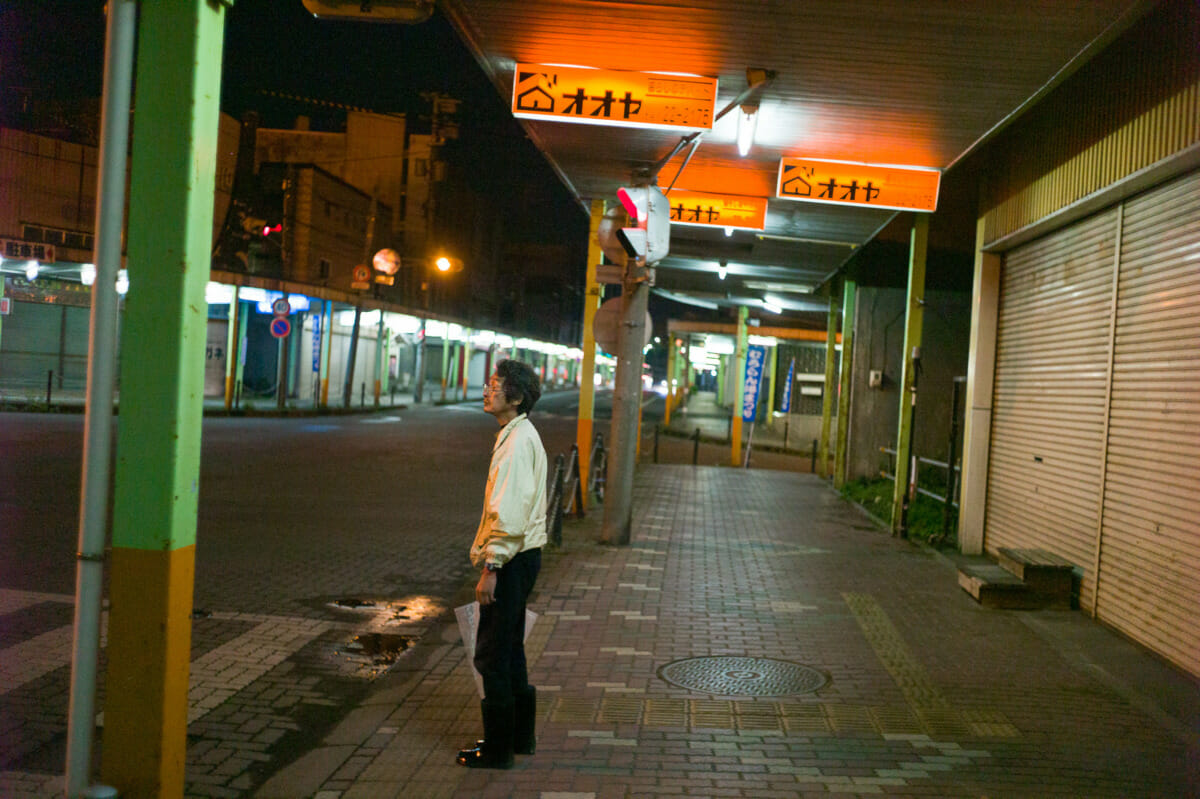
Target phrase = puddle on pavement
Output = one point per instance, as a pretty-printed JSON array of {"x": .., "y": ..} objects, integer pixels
[{"x": 374, "y": 653}]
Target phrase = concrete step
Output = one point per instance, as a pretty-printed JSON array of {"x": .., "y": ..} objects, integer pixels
[
  {"x": 994, "y": 587},
  {"x": 1045, "y": 574}
]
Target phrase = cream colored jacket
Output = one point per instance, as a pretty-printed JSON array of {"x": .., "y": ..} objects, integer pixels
[{"x": 514, "y": 502}]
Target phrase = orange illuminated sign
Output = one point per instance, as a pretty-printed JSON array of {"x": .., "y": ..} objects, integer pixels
[
  {"x": 717, "y": 210},
  {"x": 611, "y": 97},
  {"x": 904, "y": 188}
]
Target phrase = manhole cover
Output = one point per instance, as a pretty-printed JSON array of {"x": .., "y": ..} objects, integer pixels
[{"x": 742, "y": 676}]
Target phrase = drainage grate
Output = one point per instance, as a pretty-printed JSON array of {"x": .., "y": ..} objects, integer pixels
[{"x": 742, "y": 676}]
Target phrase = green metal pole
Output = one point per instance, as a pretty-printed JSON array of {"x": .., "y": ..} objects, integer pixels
[
  {"x": 827, "y": 391},
  {"x": 232, "y": 346},
  {"x": 722, "y": 376},
  {"x": 162, "y": 389},
  {"x": 773, "y": 371},
  {"x": 908, "y": 384},
  {"x": 243, "y": 334},
  {"x": 843, "y": 415}
]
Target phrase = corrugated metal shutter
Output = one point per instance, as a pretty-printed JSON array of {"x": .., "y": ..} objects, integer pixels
[
  {"x": 1049, "y": 401},
  {"x": 1149, "y": 583},
  {"x": 33, "y": 345}
]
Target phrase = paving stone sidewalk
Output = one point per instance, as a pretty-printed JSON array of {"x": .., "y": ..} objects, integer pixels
[{"x": 759, "y": 637}]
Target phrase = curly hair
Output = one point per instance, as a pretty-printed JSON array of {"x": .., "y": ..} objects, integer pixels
[{"x": 520, "y": 381}]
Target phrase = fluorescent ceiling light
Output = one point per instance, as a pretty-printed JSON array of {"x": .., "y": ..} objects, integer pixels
[
  {"x": 747, "y": 122},
  {"x": 779, "y": 288}
]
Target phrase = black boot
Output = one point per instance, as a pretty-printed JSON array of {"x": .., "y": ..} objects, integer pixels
[
  {"x": 525, "y": 721},
  {"x": 496, "y": 748}
]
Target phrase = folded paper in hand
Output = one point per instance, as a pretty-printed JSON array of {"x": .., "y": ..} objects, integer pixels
[{"x": 468, "y": 626}]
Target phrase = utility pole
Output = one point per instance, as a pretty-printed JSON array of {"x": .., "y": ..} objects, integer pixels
[
  {"x": 368, "y": 244},
  {"x": 638, "y": 248},
  {"x": 618, "y": 490}
]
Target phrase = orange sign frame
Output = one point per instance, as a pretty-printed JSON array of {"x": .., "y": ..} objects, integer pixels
[
  {"x": 613, "y": 97},
  {"x": 717, "y": 210},
  {"x": 901, "y": 188}
]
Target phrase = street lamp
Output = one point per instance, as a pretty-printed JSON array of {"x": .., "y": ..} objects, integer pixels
[{"x": 441, "y": 265}]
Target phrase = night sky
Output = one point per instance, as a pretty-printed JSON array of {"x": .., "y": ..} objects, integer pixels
[
  {"x": 56, "y": 49},
  {"x": 53, "y": 50}
]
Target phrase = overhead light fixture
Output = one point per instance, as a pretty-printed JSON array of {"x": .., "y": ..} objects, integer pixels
[
  {"x": 728, "y": 231},
  {"x": 405, "y": 12},
  {"x": 772, "y": 307},
  {"x": 779, "y": 288},
  {"x": 747, "y": 122},
  {"x": 801, "y": 240},
  {"x": 122, "y": 281},
  {"x": 87, "y": 274},
  {"x": 31, "y": 270},
  {"x": 722, "y": 270}
]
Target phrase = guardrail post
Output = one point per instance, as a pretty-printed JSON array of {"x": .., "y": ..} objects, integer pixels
[
  {"x": 49, "y": 385},
  {"x": 696, "y": 447}
]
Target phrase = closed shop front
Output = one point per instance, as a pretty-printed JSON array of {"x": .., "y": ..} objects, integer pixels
[
  {"x": 1095, "y": 441},
  {"x": 1149, "y": 548}
]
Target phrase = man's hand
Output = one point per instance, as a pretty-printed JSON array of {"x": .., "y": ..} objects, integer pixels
[{"x": 485, "y": 590}]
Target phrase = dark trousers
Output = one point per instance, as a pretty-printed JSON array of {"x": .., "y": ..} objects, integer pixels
[{"x": 500, "y": 641}]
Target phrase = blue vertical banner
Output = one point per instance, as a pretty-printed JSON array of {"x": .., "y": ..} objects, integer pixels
[
  {"x": 316, "y": 342},
  {"x": 756, "y": 357},
  {"x": 786, "y": 405}
]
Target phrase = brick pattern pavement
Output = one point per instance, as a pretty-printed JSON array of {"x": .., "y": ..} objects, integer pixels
[{"x": 925, "y": 693}]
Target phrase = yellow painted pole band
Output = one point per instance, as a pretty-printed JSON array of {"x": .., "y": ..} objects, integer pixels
[
  {"x": 587, "y": 369},
  {"x": 739, "y": 377},
  {"x": 146, "y": 687}
]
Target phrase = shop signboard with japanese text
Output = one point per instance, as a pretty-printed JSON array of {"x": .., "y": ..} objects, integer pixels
[
  {"x": 613, "y": 97},
  {"x": 903, "y": 188},
  {"x": 717, "y": 210}
]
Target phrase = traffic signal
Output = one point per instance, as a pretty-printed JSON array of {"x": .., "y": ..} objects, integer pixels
[{"x": 646, "y": 235}]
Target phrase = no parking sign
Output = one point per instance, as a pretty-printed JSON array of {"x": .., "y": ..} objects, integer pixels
[{"x": 280, "y": 327}]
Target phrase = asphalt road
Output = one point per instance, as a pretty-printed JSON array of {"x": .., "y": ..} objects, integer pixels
[
  {"x": 293, "y": 511},
  {"x": 300, "y": 520}
]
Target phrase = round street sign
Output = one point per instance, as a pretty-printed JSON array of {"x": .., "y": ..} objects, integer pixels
[
  {"x": 280, "y": 307},
  {"x": 607, "y": 324},
  {"x": 361, "y": 273},
  {"x": 280, "y": 327}
]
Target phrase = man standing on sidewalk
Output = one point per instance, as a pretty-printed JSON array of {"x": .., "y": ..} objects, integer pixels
[{"x": 507, "y": 550}]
